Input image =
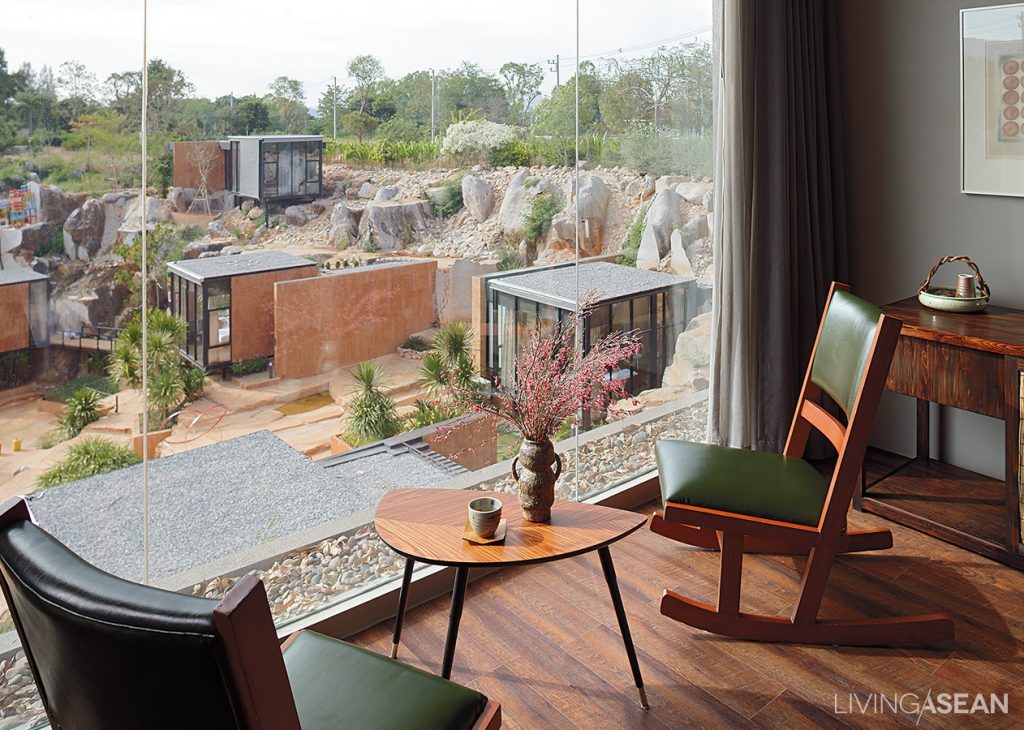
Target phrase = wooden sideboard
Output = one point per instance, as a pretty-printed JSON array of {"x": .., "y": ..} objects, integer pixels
[{"x": 973, "y": 362}]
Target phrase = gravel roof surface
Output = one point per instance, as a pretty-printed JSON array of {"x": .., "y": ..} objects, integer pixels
[
  {"x": 19, "y": 275},
  {"x": 607, "y": 280},
  {"x": 215, "y": 501},
  {"x": 239, "y": 264}
]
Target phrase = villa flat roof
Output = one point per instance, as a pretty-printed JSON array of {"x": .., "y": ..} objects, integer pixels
[
  {"x": 608, "y": 281},
  {"x": 217, "y": 267},
  {"x": 280, "y": 137},
  {"x": 20, "y": 275}
]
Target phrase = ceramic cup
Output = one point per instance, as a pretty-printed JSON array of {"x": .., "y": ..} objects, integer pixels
[{"x": 484, "y": 516}]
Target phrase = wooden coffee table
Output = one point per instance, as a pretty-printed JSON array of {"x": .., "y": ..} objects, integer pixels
[{"x": 426, "y": 525}]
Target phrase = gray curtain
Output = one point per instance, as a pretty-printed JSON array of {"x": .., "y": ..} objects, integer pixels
[{"x": 778, "y": 225}]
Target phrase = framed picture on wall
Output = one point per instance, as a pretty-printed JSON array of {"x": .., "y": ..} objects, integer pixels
[{"x": 992, "y": 99}]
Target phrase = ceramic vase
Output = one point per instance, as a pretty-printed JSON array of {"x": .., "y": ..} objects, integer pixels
[{"x": 536, "y": 469}]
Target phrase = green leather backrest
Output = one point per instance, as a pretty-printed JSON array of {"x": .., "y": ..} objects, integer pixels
[{"x": 844, "y": 346}]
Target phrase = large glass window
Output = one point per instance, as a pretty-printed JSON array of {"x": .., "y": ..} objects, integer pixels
[{"x": 453, "y": 172}]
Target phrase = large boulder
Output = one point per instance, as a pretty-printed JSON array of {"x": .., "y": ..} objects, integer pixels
[
  {"x": 95, "y": 298},
  {"x": 694, "y": 229},
  {"x": 217, "y": 228},
  {"x": 84, "y": 230},
  {"x": 391, "y": 226},
  {"x": 680, "y": 263},
  {"x": 344, "y": 226},
  {"x": 663, "y": 217},
  {"x": 692, "y": 357},
  {"x": 693, "y": 192},
  {"x": 181, "y": 198},
  {"x": 196, "y": 249},
  {"x": 518, "y": 202},
  {"x": 28, "y": 241},
  {"x": 387, "y": 192},
  {"x": 298, "y": 215},
  {"x": 55, "y": 205},
  {"x": 478, "y": 197},
  {"x": 594, "y": 196}
]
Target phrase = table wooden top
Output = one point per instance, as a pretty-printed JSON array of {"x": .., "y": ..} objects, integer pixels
[
  {"x": 427, "y": 525},
  {"x": 996, "y": 329}
]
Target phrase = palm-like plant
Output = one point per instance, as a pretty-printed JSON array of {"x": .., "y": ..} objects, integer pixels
[
  {"x": 372, "y": 414},
  {"x": 171, "y": 378},
  {"x": 450, "y": 361},
  {"x": 81, "y": 409}
]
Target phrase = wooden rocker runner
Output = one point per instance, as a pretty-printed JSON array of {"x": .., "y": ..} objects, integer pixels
[{"x": 738, "y": 501}]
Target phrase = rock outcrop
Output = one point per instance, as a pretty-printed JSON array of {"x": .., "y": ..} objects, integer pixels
[
  {"x": 478, "y": 197},
  {"x": 391, "y": 226},
  {"x": 664, "y": 216},
  {"x": 88, "y": 295},
  {"x": 55, "y": 205},
  {"x": 84, "y": 231},
  {"x": 518, "y": 202},
  {"x": 344, "y": 226}
]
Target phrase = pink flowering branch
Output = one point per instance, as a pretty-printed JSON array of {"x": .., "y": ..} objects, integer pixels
[{"x": 554, "y": 381}]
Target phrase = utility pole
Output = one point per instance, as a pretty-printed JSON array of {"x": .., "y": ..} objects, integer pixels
[
  {"x": 433, "y": 103},
  {"x": 555, "y": 64},
  {"x": 335, "y": 105}
]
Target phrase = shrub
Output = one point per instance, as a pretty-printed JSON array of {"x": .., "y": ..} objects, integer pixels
[
  {"x": 370, "y": 245},
  {"x": 538, "y": 221},
  {"x": 508, "y": 256},
  {"x": 476, "y": 139},
  {"x": 449, "y": 201},
  {"x": 15, "y": 369},
  {"x": 244, "y": 367},
  {"x": 416, "y": 343},
  {"x": 193, "y": 382},
  {"x": 514, "y": 153},
  {"x": 631, "y": 243},
  {"x": 399, "y": 130},
  {"x": 55, "y": 246},
  {"x": 81, "y": 409},
  {"x": 372, "y": 414},
  {"x": 88, "y": 458},
  {"x": 660, "y": 153},
  {"x": 427, "y": 414}
]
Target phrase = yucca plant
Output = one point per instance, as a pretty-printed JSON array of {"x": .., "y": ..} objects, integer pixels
[
  {"x": 450, "y": 361},
  {"x": 81, "y": 409},
  {"x": 372, "y": 413}
]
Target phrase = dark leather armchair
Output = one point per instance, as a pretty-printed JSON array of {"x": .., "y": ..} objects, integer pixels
[{"x": 109, "y": 654}]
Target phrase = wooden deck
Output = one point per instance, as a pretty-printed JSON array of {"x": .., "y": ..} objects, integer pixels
[{"x": 543, "y": 640}]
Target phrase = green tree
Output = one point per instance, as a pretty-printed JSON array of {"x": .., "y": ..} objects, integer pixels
[
  {"x": 366, "y": 71},
  {"x": 372, "y": 413},
  {"x": 359, "y": 124},
  {"x": 168, "y": 90},
  {"x": 469, "y": 89},
  {"x": 522, "y": 87},
  {"x": 105, "y": 133},
  {"x": 10, "y": 85},
  {"x": 288, "y": 101}
]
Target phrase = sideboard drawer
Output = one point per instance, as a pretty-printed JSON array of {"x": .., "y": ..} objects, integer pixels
[{"x": 953, "y": 376}]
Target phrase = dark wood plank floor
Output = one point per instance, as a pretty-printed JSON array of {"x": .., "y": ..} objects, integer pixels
[{"x": 543, "y": 640}]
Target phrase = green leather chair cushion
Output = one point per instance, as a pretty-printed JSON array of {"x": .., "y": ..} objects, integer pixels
[
  {"x": 843, "y": 349},
  {"x": 752, "y": 483},
  {"x": 339, "y": 685}
]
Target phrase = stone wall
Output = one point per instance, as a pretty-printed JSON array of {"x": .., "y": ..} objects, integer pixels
[
  {"x": 344, "y": 317},
  {"x": 14, "y": 325},
  {"x": 252, "y": 311}
]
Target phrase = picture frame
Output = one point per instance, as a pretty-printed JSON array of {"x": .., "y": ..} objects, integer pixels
[{"x": 992, "y": 100}]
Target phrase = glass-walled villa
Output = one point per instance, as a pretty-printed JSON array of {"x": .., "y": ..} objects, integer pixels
[{"x": 657, "y": 304}]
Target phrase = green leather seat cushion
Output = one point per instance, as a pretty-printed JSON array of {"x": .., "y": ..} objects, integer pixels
[
  {"x": 752, "y": 483},
  {"x": 339, "y": 685}
]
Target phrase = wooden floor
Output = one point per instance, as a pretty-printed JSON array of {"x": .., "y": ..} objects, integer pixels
[{"x": 543, "y": 640}]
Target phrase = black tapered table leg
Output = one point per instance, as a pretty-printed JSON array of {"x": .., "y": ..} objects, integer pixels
[
  {"x": 458, "y": 598},
  {"x": 403, "y": 599},
  {"x": 620, "y": 613}
]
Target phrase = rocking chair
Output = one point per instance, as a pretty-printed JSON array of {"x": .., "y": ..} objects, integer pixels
[{"x": 738, "y": 501}]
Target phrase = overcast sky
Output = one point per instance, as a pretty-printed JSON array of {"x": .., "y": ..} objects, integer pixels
[{"x": 240, "y": 47}]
